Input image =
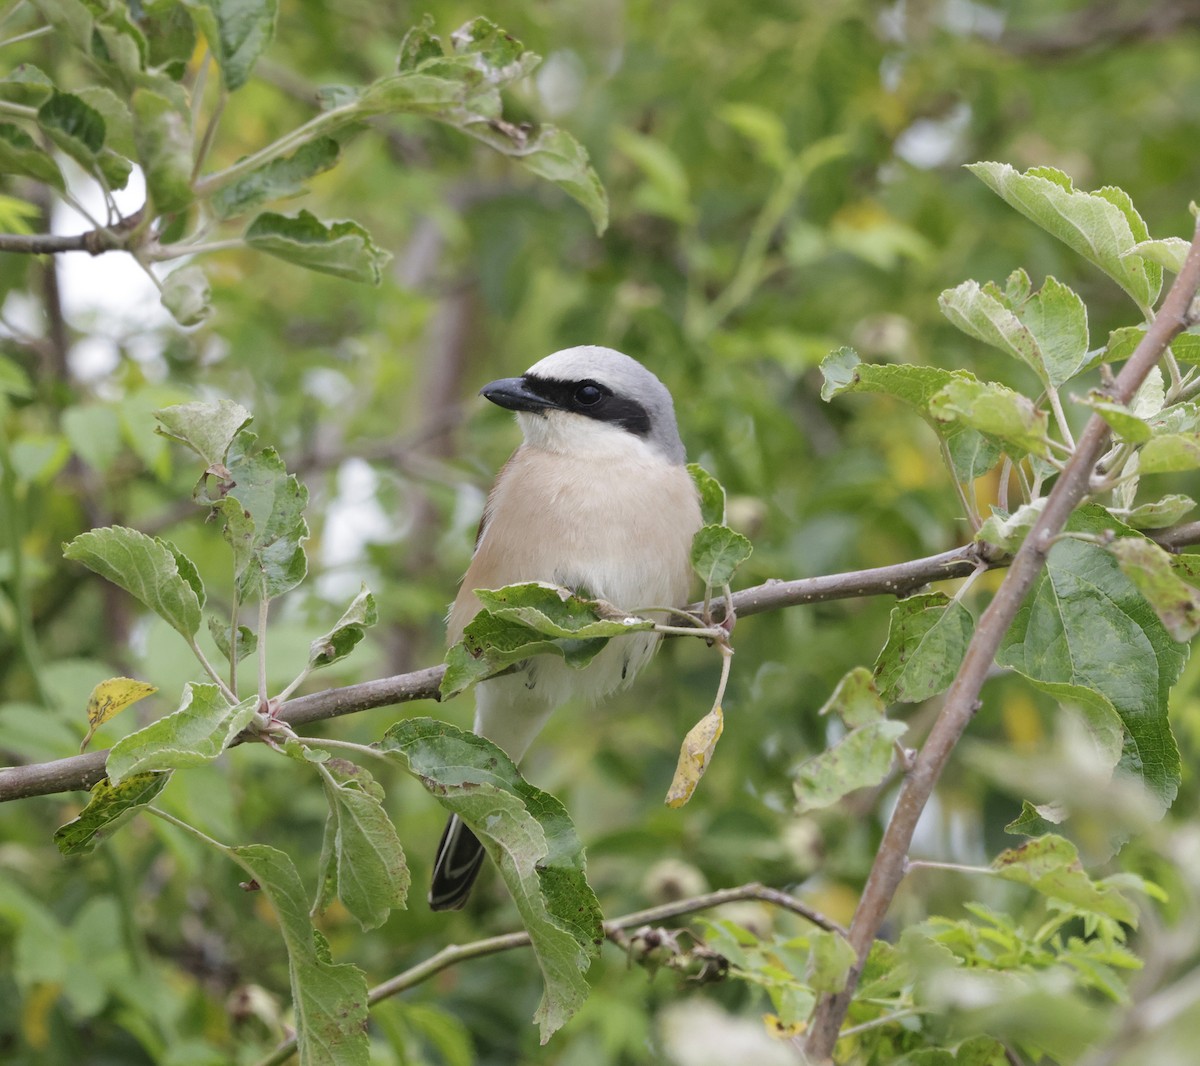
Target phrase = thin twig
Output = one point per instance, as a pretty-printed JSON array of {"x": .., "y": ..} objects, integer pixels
[{"x": 456, "y": 953}]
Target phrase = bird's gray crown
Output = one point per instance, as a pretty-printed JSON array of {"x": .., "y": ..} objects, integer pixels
[{"x": 637, "y": 401}]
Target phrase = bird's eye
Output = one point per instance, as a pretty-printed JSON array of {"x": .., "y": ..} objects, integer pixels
[{"x": 588, "y": 395}]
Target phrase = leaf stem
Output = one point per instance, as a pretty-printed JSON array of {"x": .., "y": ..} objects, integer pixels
[
  {"x": 311, "y": 129},
  {"x": 349, "y": 745},
  {"x": 41, "y": 31},
  {"x": 211, "y": 670},
  {"x": 1060, "y": 416},
  {"x": 972, "y": 515},
  {"x": 264, "y": 605},
  {"x": 177, "y": 251},
  {"x": 7, "y": 107},
  {"x": 179, "y": 823}
]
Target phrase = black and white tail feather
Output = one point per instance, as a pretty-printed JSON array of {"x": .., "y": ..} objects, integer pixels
[{"x": 459, "y": 858}]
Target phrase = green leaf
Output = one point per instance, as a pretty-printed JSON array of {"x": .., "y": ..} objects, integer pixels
[
  {"x": 152, "y": 570},
  {"x": 187, "y": 294},
  {"x": 971, "y": 454},
  {"x": 1008, "y": 532},
  {"x": 557, "y": 612},
  {"x": 237, "y": 31},
  {"x": 717, "y": 552},
  {"x": 265, "y": 523},
  {"x": 505, "y": 641},
  {"x": 277, "y": 179},
  {"x": 342, "y": 639},
  {"x": 1035, "y": 820},
  {"x": 247, "y": 640},
  {"x": 330, "y": 1000},
  {"x": 1122, "y": 343},
  {"x": 463, "y": 669},
  {"x": 94, "y": 431},
  {"x": 529, "y": 836},
  {"x": 1101, "y": 226},
  {"x": 164, "y": 145},
  {"x": 108, "y": 807},
  {"x": 856, "y": 700},
  {"x": 1048, "y": 331},
  {"x": 1085, "y": 624},
  {"x": 1123, "y": 422},
  {"x": 1050, "y": 865},
  {"x": 207, "y": 428},
  {"x": 995, "y": 411},
  {"x": 203, "y": 727},
  {"x": 118, "y": 120},
  {"x": 362, "y": 862},
  {"x": 712, "y": 495},
  {"x": 862, "y": 758},
  {"x": 1095, "y": 711},
  {"x": 927, "y": 639},
  {"x": 27, "y": 85},
  {"x": 830, "y": 957},
  {"x": 1150, "y": 568},
  {"x": 73, "y": 126},
  {"x": 343, "y": 249},
  {"x": 558, "y": 157},
  {"x": 1157, "y": 514},
  {"x": 1169, "y": 252},
  {"x": 20, "y": 154},
  {"x": 1170, "y": 453}
]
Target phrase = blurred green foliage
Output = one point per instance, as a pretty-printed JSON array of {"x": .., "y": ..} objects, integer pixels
[{"x": 783, "y": 179}]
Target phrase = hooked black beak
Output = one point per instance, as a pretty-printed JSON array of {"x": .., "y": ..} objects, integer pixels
[{"x": 516, "y": 395}]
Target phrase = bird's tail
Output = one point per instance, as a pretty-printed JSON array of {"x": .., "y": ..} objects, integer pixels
[{"x": 459, "y": 857}]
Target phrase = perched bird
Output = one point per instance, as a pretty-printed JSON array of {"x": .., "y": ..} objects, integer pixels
[{"x": 597, "y": 499}]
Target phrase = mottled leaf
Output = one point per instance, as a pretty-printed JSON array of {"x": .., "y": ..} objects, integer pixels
[
  {"x": 150, "y": 569},
  {"x": 203, "y": 727},
  {"x": 529, "y": 837},
  {"x": 108, "y": 807},
  {"x": 343, "y": 249},
  {"x": 342, "y": 639},
  {"x": 1101, "y": 226},
  {"x": 694, "y": 755},
  {"x": 362, "y": 863},
  {"x": 717, "y": 552},
  {"x": 1084, "y": 623},
  {"x": 927, "y": 639}
]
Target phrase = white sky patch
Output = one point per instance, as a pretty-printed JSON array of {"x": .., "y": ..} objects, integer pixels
[
  {"x": 934, "y": 142},
  {"x": 353, "y": 520},
  {"x": 108, "y": 298}
]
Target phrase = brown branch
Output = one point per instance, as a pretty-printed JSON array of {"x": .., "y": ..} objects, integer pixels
[
  {"x": 456, "y": 953},
  {"x": 83, "y": 771},
  {"x": 1102, "y": 26},
  {"x": 94, "y": 242},
  {"x": 962, "y": 698}
]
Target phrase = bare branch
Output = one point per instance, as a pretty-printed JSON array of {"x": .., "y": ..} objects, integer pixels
[
  {"x": 83, "y": 771},
  {"x": 94, "y": 242},
  {"x": 456, "y": 953},
  {"x": 962, "y": 698}
]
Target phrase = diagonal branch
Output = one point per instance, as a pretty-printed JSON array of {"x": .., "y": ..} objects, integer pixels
[{"x": 962, "y": 699}]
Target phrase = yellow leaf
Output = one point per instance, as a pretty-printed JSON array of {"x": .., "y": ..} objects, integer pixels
[
  {"x": 779, "y": 1031},
  {"x": 696, "y": 750},
  {"x": 35, "y": 1013},
  {"x": 110, "y": 698}
]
